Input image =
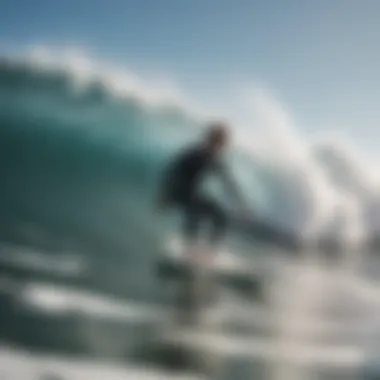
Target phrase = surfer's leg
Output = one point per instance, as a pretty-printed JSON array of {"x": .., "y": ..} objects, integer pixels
[
  {"x": 218, "y": 220},
  {"x": 190, "y": 296},
  {"x": 193, "y": 217},
  {"x": 200, "y": 209},
  {"x": 214, "y": 214}
]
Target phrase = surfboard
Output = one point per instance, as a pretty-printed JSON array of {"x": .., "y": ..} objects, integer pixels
[
  {"x": 199, "y": 290},
  {"x": 227, "y": 270}
]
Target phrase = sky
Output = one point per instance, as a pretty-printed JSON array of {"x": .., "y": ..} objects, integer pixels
[{"x": 321, "y": 58}]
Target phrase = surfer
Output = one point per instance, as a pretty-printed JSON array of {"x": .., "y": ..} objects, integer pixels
[{"x": 181, "y": 187}]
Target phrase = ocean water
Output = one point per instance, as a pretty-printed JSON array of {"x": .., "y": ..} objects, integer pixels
[{"x": 81, "y": 151}]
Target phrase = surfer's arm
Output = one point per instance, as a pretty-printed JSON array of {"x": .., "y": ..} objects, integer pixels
[{"x": 230, "y": 184}]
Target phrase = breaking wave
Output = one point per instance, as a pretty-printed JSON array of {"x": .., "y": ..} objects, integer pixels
[{"x": 82, "y": 145}]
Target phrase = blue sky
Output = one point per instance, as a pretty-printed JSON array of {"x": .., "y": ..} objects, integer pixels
[{"x": 320, "y": 56}]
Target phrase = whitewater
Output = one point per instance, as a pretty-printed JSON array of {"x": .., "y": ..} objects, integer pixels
[{"x": 82, "y": 146}]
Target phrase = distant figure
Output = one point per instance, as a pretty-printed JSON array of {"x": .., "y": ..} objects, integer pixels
[{"x": 182, "y": 180}]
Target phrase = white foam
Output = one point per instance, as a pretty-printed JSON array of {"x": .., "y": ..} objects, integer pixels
[
  {"x": 56, "y": 299},
  {"x": 60, "y": 300},
  {"x": 15, "y": 364},
  {"x": 120, "y": 82},
  {"x": 224, "y": 260},
  {"x": 330, "y": 356},
  {"x": 64, "y": 264}
]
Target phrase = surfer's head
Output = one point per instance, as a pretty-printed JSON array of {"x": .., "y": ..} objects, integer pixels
[{"x": 218, "y": 136}]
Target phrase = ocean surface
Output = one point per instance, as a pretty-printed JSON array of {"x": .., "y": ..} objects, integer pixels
[{"x": 81, "y": 150}]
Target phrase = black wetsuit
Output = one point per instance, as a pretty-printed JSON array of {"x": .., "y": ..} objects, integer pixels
[{"x": 182, "y": 182}]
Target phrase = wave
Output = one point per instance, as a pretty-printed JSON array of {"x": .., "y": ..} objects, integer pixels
[{"x": 82, "y": 145}]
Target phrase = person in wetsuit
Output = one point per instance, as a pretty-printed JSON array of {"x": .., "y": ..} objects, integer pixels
[{"x": 181, "y": 186}]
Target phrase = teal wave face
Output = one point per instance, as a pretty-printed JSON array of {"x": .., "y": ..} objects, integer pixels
[
  {"x": 72, "y": 161},
  {"x": 74, "y": 148},
  {"x": 82, "y": 167}
]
